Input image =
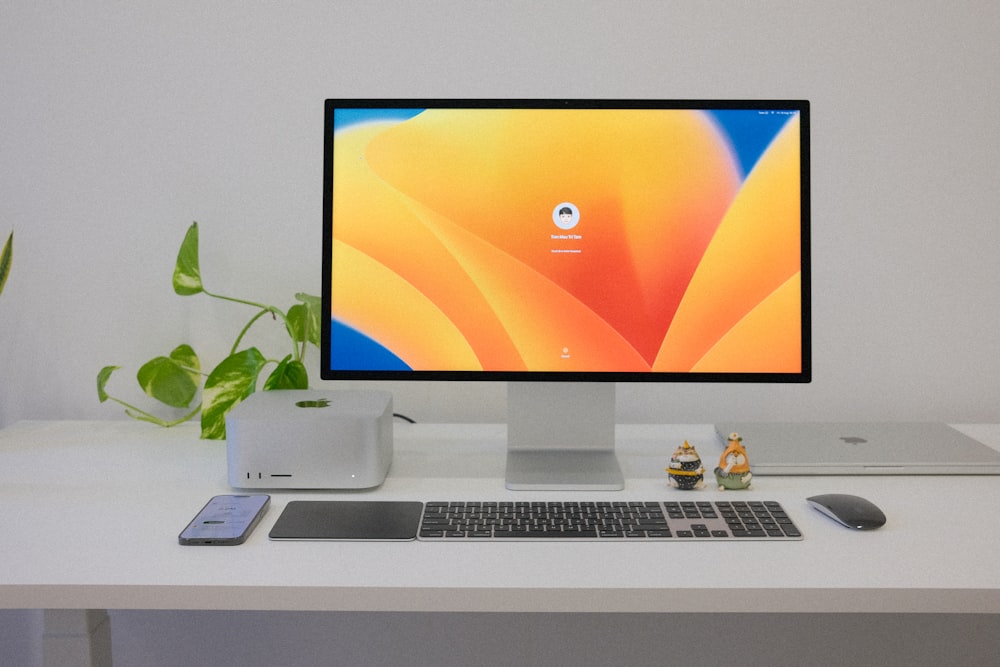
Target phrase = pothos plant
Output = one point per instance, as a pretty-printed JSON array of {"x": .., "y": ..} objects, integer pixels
[
  {"x": 6, "y": 258},
  {"x": 175, "y": 379}
]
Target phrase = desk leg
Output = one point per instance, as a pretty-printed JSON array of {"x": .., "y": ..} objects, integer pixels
[{"x": 76, "y": 638}]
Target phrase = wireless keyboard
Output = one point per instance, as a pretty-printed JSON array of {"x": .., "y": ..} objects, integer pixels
[{"x": 655, "y": 520}]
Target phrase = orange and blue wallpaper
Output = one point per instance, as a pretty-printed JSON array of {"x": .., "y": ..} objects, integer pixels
[{"x": 636, "y": 240}]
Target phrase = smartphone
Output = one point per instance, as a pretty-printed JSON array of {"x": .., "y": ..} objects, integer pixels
[{"x": 225, "y": 520}]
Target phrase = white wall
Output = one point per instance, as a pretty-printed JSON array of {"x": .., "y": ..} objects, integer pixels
[
  {"x": 120, "y": 123},
  {"x": 123, "y": 122}
]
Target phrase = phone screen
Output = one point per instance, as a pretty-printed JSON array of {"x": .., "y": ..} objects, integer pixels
[{"x": 225, "y": 520}]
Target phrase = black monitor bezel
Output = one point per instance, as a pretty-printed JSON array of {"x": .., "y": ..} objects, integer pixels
[{"x": 800, "y": 106}]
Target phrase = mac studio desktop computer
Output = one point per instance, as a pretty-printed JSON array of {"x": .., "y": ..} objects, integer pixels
[{"x": 563, "y": 246}]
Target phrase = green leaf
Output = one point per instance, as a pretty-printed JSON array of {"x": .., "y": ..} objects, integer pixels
[
  {"x": 289, "y": 374},
  {"x": 303, "y": 319},
  {"x": 229, "y": 383},
  {"x": 172, "y": 380},
  {"x": 184, "y": 355},
  {"x": 187, "y": 271},
  {"x": 6, "y": 258},
  {"x": 102, "y": 380}
]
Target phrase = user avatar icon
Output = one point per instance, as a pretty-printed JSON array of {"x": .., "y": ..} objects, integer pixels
[{"x": 566, "y": 216}]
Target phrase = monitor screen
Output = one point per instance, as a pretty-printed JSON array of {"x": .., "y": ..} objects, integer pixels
[
  {"x": 566, "y": 240},
  {"x": 506, "y": 238}
]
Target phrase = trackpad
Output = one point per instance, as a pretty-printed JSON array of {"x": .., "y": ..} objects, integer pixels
[{"x": 347, "y": 520}]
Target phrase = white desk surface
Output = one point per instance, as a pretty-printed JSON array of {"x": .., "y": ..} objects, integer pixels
[{"x": 90, "y": 512}]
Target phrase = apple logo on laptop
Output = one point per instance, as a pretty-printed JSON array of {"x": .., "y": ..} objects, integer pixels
[
  {"x": 853, "y": 440},
  {"x": 317, "y": 403}
]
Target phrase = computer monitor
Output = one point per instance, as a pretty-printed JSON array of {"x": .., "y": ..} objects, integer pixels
[{"x": 563, "y": 246}]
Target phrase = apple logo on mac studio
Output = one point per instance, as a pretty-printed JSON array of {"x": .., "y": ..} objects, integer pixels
[{"x": 316, "y": 403}]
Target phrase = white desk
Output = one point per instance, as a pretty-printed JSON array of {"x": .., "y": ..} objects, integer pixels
[{"x": 91, "y": 513}]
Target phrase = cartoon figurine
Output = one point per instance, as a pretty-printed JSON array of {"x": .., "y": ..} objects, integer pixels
[
  {"x": 734, "y": 468},
  {"x": 686, "y": 471}
]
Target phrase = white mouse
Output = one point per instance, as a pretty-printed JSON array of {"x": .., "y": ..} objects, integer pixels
[{"x": 851, "y": 511}]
